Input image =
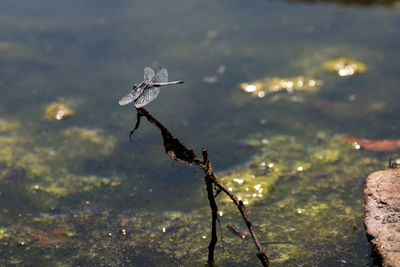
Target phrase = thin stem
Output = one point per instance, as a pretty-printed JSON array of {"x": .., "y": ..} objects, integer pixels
[{"x": 214, "y": 211}]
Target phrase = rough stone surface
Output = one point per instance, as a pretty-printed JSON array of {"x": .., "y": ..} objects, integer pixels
[{"x": 382, "y": 214}]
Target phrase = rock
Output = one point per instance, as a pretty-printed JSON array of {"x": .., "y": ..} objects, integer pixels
[{"x": 382, "y": 214}]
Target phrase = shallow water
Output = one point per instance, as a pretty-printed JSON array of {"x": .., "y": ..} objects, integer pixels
[{"x": 70, "y": 188}]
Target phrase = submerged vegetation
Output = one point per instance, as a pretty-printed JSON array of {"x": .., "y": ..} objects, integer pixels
[
  {"x": 311, "y": 194},
  {"x": 345, "y": 66},
  {"x": 58, "y": 111},
  {"x": 267, "y": 86},
  {"x": 47, "y": 173},
  {"x": 305, "y": 190}
]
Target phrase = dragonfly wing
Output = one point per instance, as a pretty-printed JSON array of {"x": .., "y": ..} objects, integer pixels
[
  {"x": 148, "y": 95},
  {"x": 131, "y": 96},
  {"x": 126, "y": 99},
  {"x": 136, "y": 91},
  {"x": 161, "y": 76},
  {"x": 148, "y": 74}
]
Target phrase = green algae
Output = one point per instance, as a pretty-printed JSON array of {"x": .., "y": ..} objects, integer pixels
[
  {"x": 4, "y": 233},
  {"x": 58, "y": 111},
  {"x": 170, "y": 238},
  {"x": 309, "y": 212},
  {"x": 343, "y": 66},
  {"x": 316, "y": 205},
  {"x": 326, "y": 156},
  {"x": 272, "y": 85},
  {"x": 254, "y": 182},
  {"x": 71, "y": 184},
  {"x": 249, "y": 186},
  {"x": 6, "y": 126},
  {"x": 47, "y": 173},
  {"x": 84, "y": 141},
  {"x": 298, "y": 192}
]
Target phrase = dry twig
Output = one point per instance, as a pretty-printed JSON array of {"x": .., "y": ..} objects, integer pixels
[{"x": 179, "y": 152}]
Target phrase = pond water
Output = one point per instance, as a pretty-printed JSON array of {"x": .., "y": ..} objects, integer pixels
[{"x": 76, "y": 192}]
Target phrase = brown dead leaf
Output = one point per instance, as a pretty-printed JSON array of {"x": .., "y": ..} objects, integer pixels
[
  {"x": 374, "y": 145},
  {"x": 48, "y": 237}
]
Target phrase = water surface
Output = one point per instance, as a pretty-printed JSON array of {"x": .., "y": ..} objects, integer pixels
[{"x": 68, "y": 188}]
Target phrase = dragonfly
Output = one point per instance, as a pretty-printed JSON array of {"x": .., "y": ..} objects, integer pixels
[{"x": 145, "y": 92}]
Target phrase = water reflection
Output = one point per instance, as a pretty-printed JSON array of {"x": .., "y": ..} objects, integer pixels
[{"x": 271, "y": 85}]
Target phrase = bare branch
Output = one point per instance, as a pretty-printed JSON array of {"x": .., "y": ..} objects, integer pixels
[
  {"x": 214, "y": 211},
  {"x": 180, "y": 152}
]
